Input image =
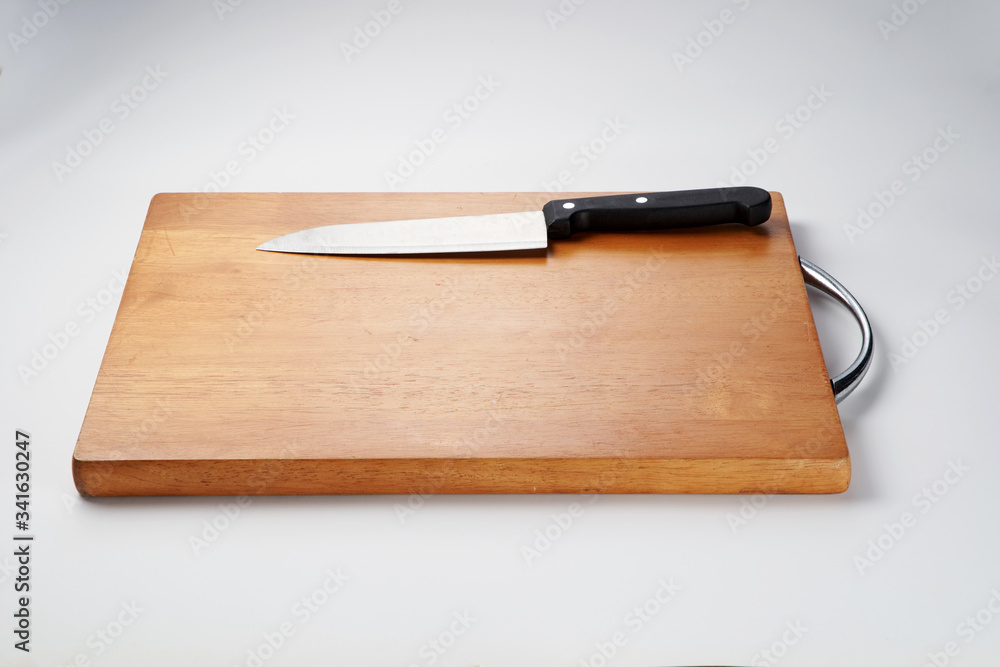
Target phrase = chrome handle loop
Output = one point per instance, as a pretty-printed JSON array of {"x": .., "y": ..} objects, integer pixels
[{"x": 847, "y": 381}]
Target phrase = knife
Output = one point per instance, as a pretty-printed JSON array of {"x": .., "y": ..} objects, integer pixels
[{"x": 558, "y": 219}]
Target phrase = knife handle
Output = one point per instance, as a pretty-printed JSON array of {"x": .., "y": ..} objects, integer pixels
[{"x": 656, "y": 210}]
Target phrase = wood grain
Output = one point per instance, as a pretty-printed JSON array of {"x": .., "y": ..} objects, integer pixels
[{"x": 683, "y": 361}]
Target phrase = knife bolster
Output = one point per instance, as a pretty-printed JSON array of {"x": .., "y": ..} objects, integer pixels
[{"x": 558, "y": 226}]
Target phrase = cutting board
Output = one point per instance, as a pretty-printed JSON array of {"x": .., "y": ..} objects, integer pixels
[{"x": 682, "y": 361}]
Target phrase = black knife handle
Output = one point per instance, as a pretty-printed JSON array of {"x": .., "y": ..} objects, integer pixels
[{"x": 657, "y": 210}]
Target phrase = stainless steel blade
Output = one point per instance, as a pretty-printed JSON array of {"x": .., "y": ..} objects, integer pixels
[{"x": 475, "y": 233}]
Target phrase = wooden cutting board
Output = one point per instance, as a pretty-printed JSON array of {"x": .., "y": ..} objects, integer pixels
[{"x": 683, "y": 361}]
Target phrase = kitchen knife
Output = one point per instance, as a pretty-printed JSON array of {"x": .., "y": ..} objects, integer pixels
[{"x": 558, "y": 219}]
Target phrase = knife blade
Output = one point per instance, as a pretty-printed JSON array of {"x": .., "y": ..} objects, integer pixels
[{"x": 558, "y": 219}]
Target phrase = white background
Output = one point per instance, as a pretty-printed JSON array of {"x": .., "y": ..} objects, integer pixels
[{"x": 888, "y": 94}]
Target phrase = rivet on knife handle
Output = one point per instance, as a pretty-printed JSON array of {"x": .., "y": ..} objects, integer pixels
[{"x": 657, "y": 210}]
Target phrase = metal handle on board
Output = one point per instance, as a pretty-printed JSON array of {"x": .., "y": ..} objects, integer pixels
[{"x": 847, "y": 381}]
